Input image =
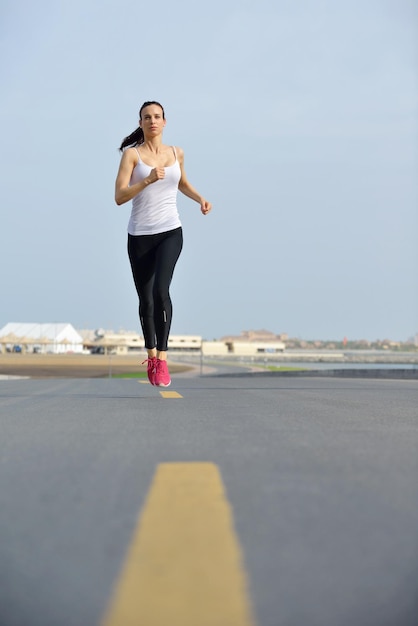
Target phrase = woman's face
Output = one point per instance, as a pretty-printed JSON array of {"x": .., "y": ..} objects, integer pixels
[{"x": 152, "y": 121}]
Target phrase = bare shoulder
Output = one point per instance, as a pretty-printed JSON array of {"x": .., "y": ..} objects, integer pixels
[
  {"x": 180, "y": 153},
  {"x": 128, "y": 162},
  {"x": 131, "y": 155}
]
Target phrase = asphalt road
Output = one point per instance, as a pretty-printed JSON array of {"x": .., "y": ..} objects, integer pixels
[{"x": 321, "y": 476}]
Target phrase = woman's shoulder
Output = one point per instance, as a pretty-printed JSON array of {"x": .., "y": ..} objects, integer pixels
[
  {"x": 179, "y": 152},
  {"x": 131, "y": 155}
]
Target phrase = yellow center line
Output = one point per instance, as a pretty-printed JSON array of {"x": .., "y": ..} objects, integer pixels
[
  {"x": 165, "y": 394},
  {"x": 184, "y": 566},
  {"x": 170, "y": 394}
]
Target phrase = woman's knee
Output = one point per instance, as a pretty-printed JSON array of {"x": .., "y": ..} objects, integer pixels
[
  {"x": 146, "y": 306},
  {"x": 161, "y": 296}
]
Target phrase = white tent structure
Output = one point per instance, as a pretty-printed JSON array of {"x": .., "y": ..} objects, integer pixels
[{"x": 56, "y": 338}]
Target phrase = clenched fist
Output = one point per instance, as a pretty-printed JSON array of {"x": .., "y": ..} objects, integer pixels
[
  {"x": 157, "y": 173},
  {"x": 205, "y": 206}
]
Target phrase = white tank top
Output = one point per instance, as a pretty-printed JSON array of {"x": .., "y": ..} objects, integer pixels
[{"x": 154, "y": 209}]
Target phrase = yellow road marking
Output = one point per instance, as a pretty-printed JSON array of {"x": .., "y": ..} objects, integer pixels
[
  {"x": 170, "y": 394},
  {"x": 184, "y": 566}
]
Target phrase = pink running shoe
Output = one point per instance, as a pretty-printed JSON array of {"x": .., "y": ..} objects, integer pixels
[
  {"x": 162, "y": 376},
  {"x": 151, "y": 367}
]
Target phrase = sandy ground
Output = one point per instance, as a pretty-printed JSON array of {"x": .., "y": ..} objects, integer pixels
[{"x": 74, "y": 365}]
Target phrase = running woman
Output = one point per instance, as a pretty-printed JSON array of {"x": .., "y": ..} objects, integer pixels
[{"x": 150, "y": 173}]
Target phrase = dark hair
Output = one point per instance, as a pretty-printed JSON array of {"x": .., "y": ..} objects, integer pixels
[{"x": 137, "y": 137}]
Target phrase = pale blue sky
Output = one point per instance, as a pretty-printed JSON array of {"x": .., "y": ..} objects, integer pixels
[{"x": 298, "y": 121}]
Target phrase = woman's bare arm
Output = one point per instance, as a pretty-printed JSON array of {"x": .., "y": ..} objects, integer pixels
[
  {"x": 187, "y": 188},
  {"x": 124, "y": 192}
]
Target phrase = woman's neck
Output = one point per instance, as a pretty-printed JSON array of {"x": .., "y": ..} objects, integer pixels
[{"x": 153, "y": 145}]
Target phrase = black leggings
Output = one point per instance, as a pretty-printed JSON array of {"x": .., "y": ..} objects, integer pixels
[{"x": 153, "y": 259}]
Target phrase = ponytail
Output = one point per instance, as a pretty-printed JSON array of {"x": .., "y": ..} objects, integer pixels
[{"x": 137, "y": 137}]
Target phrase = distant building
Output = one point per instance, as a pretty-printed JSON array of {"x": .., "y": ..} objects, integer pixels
[
  {"x": 125, "y": 342},
  {"x": 253, "y": 342},
  {"x": 57, "y": 338},
  {"x": 102, "y": 341},
  {"x": 214, "y": 348},
  {"x": 180, "y": 343}
]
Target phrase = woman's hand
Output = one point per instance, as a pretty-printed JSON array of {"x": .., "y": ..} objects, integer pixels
[
  {"x": 205, "y": 206},
  {"x": 157, "y": 173}
]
